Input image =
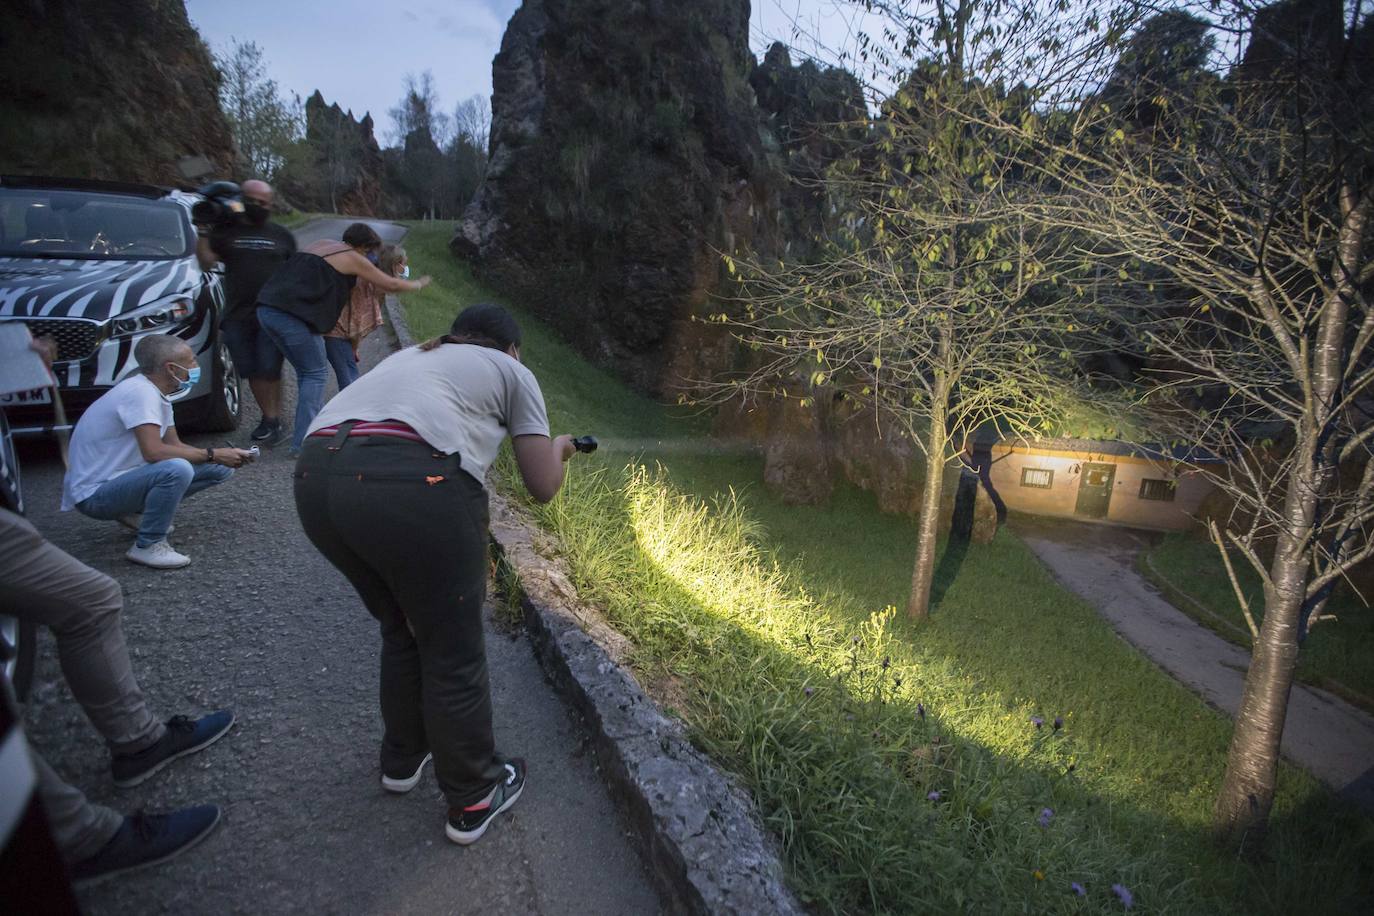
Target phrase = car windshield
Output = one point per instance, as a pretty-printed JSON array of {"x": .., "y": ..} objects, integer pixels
[{"x": 83, "y": 224}]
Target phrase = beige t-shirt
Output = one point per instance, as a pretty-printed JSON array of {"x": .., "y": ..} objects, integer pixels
[{"x": 459, "y": 397}]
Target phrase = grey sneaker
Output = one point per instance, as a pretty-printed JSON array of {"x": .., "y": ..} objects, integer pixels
[
  {"x": 134, "y": 521},
  {"x": 158, "y": 556}
]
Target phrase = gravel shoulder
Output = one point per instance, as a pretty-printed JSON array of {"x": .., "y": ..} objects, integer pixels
[{"x": 261, "y": 623}]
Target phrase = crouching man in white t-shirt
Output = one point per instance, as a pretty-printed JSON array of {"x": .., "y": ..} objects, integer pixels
[{"x": 126, "y": 461}]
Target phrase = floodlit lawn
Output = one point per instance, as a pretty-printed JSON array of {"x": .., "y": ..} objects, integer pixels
[
  {"x": 901, "y": 765},
  {"x": 1338, "y": 655}
]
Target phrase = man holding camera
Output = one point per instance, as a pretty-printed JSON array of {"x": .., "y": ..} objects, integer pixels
[
  {"x": 127, "y": 463},
  {"x": 252, "y": 247}
]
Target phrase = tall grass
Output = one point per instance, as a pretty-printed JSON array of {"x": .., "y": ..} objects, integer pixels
[{"x": 901, "y": 766}]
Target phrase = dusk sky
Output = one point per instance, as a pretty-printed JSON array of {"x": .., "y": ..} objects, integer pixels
[{"x": 357, "y": 52}]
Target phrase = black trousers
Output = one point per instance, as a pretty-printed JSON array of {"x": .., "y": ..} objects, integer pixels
[{"x": 408, "y": 529}]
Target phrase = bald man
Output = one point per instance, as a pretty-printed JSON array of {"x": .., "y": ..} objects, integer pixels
[
  {"x": 126, "y": 462},
  {"x": 251, "y": 249}
]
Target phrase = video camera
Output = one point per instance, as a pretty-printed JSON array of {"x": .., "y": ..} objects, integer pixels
[{"x": 222, "y": 204}]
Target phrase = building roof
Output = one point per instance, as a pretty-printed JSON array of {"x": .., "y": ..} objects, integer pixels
[{"x": 1189, "y": 454}]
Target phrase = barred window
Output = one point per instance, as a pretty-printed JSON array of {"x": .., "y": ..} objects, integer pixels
[
  {"x": 1161, "y": 490},
  {"x": 1039, "y": 478}
]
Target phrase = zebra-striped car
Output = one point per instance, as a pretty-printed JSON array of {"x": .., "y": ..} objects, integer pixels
[{"x": 97, "y": 265}]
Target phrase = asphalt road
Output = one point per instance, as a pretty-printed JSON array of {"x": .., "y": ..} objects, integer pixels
[{"x": 261, "y": 623}]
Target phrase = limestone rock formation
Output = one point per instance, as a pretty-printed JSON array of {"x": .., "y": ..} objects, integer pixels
[
  {"x": 635, "y": 141},
  {"x": 628, "y": 153},
  {"x": 118, "y": 91},
  {"x": 338, "y": 167}
]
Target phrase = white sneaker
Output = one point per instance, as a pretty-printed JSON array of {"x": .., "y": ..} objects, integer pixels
[
  {"x": 158, "y": 556},
  {"x": 134, "y": 521},
  {"x": 400, "y": 784}
]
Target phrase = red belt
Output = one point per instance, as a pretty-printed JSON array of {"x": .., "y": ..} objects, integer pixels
[{"x": 378, "y": 428}]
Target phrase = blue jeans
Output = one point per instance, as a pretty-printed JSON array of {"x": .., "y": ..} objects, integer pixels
[
  {"x": 304, "y": 349},
  {"x": 155, "y": 490},
  {"x": 340, "y": 353}
]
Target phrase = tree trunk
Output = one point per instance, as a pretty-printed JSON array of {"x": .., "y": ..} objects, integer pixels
[
  {"x": 1247, "y": 790},
  {"x": 923, "y": 572}
]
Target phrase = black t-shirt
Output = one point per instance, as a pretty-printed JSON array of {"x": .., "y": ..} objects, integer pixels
[{"x": 251, "y": 254}]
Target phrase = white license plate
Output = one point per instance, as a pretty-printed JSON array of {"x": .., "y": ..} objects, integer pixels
[{"x": 33, "y": 396}]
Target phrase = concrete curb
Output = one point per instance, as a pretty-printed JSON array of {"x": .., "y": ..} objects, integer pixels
[{"x": 705, "y": 845}]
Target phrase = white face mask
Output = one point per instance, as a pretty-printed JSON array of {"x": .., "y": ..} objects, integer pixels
[{"x": 405, "y": 272}]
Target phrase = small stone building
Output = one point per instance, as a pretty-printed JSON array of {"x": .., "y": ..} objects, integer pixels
[{"x": 1117, "y": 482}]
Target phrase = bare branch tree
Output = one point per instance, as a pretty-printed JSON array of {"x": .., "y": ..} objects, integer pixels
[{"x": 1233, "y": 223}]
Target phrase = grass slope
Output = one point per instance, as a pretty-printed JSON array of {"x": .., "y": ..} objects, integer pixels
[{"x": 986, "y": 761}]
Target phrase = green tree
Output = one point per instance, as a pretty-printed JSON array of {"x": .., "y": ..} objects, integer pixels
[
  {"x": 263, "y": 124},
  {"x": 936, "y": 301}
]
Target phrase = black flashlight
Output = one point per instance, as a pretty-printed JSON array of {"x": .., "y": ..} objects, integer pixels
[{"x": 585, "y": 444}]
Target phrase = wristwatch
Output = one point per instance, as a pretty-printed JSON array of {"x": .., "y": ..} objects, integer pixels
[{"x": 209, "y": 456}]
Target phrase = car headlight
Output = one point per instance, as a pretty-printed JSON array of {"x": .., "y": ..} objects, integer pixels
[{"x": 160, "y": 316}]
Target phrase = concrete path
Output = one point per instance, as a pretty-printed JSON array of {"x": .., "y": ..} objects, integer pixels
[
  {"x": 262, "y": 623},
  {"x": 1328, "y": 737},
  {"x": 333, "y": 228}
]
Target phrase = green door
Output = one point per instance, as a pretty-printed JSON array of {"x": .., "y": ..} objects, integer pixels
[{"x": 1095, "y": 490}]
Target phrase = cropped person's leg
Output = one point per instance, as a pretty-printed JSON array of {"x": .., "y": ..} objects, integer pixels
[
  {"x": 404, "y": 742},
  {"x": 304, "y": 349},
  {"x": 82, "y": 607},
  {"x": 340, "y": 354},
  {"x": 154, "y": 490},
  {"x": 79, "y": 828},
  {"x": 442, "y": 598},
  {"x": 206, "y": 476}
]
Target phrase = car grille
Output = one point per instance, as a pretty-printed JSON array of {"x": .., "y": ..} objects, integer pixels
[{"x": 76, "y": 338}]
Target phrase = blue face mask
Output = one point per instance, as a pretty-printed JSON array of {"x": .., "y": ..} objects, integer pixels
[
  {"x": 373, "y": 257},
  {"x": 192, "y": 376}
]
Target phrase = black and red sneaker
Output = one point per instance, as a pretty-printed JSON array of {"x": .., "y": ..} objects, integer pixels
[{"x": 466, "y": 825}]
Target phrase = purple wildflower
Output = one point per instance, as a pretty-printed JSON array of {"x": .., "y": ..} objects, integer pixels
[
  {"x": 809, "y": 690},
  {"x": 933, "y": 795},
  {"x": 1058, "y": 722},
  {"x": 920, "y": 710},
  {"x": 1077, "y": 889},
  {"x": 856, "y": 640},
  {"x": 896, "y": 682},
  {"x": 1124, "y": 895},
  {"x": 1037, "y": 721},
  {"x": 887, "y": 661},
  {"x": 1046, "y": 815}
]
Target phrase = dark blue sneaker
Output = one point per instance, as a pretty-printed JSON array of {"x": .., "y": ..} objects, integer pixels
[
  {"x": 184, "y": 736},
  {"x": 147, "y": 839},
  {"x": 466, "y": 825}
]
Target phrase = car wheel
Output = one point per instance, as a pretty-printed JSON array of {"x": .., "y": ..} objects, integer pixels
[
  {"x": 18, "y": 645},
  {"x": 224, "y": 404}
]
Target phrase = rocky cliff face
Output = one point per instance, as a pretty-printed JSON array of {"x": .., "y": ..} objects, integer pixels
[
  {"x": 628, "y": 152},
  {"x": 107, "y": 90},
  {"x": 632, "y": 144}
]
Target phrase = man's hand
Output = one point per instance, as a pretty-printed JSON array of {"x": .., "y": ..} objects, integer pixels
[
  {"x": 233, "y": 457},
  {"x": 46, "y": 348},
  {"x": 565, "y": 447}
]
